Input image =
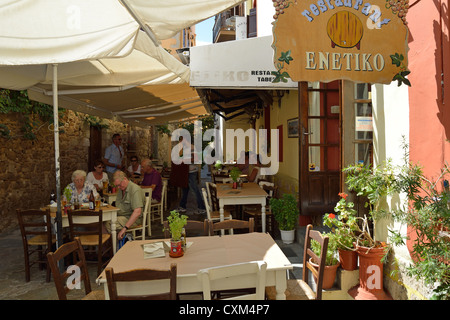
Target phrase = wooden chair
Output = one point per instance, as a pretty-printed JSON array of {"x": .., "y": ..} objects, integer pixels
[
  {"x": 157, "y": 208},
  {"x": 36, "y": 231},
  {"x": 142, "y": 275},
  {"x": 73, "y": 249},
  {"x": 255, "y": 210},
  {"x": 201, "y": 228},
  {"x": 300, "y": 289},
  {"x": 211, "y": 191},
  {"x": 146, "y": 221},
  {"x": 255, "y": 270},
  {"x": 90, "y": 231},
  {"x": 231, "y": 225},
  {"x": 213, "y": 215}
]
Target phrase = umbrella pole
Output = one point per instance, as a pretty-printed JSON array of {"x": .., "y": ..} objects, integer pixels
[{"x": 59, "y": 240}]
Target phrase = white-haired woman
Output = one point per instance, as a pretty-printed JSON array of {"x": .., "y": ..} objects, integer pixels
[{"x": 80, "y": 188}]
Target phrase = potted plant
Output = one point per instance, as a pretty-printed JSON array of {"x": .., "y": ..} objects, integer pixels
[
  {"x": 285, "y": 211},
  {"x": 176, "y": 225},
  {"x": 331, "y": 261},
  {"x": 345, "y": 227},
  {"x": 373, "y": 184},
  {"x": 235, "y": 174},
  {"x": 218, "y": 165}
]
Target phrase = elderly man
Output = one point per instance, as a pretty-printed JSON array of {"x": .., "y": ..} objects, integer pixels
[
  {"x": 130, "y": 202},
  {"x": 152, "y": 179}
]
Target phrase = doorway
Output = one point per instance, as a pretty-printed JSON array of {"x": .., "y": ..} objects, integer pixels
[{"x": 319, "y": 147}]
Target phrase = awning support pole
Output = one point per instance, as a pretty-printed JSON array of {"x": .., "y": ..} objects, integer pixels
[{"x": 59, "y": 240}]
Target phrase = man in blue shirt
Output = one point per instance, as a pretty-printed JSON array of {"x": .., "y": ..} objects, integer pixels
[{"x": 114, "y": 155}]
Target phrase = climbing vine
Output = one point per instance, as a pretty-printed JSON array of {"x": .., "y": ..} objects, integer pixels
[{"x": 34, "y": 115}]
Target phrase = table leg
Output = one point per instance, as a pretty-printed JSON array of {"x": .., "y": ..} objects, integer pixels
[
  {"x": 114, "y": 235},
  {"x": 221, "y": 214},
  {"x": 263, "y": 216},
  {"x": 280, "y": 284}
]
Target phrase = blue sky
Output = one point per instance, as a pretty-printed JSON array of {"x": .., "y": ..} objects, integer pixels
[{"x": 204, "y": 31}]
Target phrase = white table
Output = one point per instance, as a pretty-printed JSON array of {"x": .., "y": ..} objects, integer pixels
[
  {"x": 250, "y": 193},
  {"x": 204, "y": 252},
  {"x": 109, "y": 214}
]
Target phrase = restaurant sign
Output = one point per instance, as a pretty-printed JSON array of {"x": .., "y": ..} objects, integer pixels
[{"x": 326, "y": 40}]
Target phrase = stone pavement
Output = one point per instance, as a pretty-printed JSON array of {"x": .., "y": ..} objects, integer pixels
[{"x": 12, "y": 272}]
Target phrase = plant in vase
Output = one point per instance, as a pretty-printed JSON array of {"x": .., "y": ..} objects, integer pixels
[
  {"x": 373, "y": 184},
  {"x": 345, "y": 227},
  {"x": 218, "y": 165},
  {"x": 235, "y": 174},
  {"x": 285, "y": 211},
  {"x": 331, "y": 261},
  {"x": 176, "y": 225}
]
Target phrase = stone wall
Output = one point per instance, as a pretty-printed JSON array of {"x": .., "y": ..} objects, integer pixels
[{"x": 27, "y": 171}]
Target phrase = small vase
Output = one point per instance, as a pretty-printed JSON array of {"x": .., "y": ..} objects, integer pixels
[
  {"x": 235, "y": 185},
  {"x": 348, "y": 259},
  {"x": 176, "y": 250}
]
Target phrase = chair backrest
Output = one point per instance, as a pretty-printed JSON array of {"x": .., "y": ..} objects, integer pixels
[
  {"x": 254, "y": 175},
  {"x": 211, "y": 189},
  {"x": 270, "y": 188},
  {"x": 255, "y": 270},
  {"x": 232, "y": 224},
  {"x": 75, "y": 250},
  {"x": 207, "y": 206},
  {"x": 319, "y": 260},
  {"x": 164, "y": 192},
  {"x": 78, "y": 228},
  {"x": 201, "y": 227},
  {"x": 35, "y": 222},
  {"x": 142, "y": 275}
]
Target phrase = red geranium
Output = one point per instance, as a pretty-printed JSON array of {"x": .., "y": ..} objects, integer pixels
[
  {"x": 343, "y": 195},
  {"x": 331, "y": 215}
]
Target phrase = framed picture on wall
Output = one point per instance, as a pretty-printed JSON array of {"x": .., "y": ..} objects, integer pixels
[{"x": 292, "y": 127}]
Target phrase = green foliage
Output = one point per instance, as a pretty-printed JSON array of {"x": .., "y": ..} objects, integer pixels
[
  {"x": 34, "y": 115},
  {"x": 176, "y": 224},
  {"x": 235, "y": 173},
  {"x": 332, "y": 252},
  {"x": 285, "y": 211},
  {"x": 94, "y": 121}
]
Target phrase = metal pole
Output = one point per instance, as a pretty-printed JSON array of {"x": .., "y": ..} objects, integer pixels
[{"x": 59, "y": 240}]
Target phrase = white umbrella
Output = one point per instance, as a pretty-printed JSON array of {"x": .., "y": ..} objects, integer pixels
[{"x": 46, "y": 41}]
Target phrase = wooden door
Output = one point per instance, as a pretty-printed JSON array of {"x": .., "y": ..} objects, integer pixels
[
  {"x": 320, "y": 147},
  {"x": 95, "y": 147}
]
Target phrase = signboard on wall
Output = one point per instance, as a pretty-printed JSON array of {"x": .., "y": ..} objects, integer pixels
[{"x": 326, "y": 40}]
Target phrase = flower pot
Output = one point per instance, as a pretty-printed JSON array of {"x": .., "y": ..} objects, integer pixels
[
  {"x": 370, "y": 275},
  {"x": 329, "y": 275},
  {"x": 176, "y": 250},
  {"x": 348, "y": 259},
  {"x": 287, "y": 236},
  {"x": 235, "y": 185}
]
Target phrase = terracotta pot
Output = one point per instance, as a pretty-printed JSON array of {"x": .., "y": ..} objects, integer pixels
[
  {"x": 329, "y": 275},
  {"x": 348, "y": 259},
  {"x": 176, "y": 250},
  {"x": 235, "y": 185},
  {"x": 370, "y": 275}
]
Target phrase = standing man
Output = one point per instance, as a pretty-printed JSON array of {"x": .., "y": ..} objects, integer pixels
[
  {"x": 152, "y": 179},
  {"x": 114, "y": 156},
  {"x": 130, "y": 202}
]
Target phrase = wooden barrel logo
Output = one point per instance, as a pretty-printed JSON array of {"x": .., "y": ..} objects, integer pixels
[{"x": 345, "y": 30}]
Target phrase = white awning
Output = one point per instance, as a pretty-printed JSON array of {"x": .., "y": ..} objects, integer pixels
[
  {"x": 240, "y": 64},
  {"x": 140, "y": 106}
]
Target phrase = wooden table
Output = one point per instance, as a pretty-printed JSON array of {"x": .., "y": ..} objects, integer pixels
[
  {"x": 204, "y": 252},
  {"x": 109, "y": 214},
  {"x": 250, "y": 193}
]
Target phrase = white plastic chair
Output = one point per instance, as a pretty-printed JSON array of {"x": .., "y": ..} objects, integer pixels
[
  {"x": 158, "y": 207},
  {"x": 145, "y": 218},
  {"x": 234, "y": 273}
]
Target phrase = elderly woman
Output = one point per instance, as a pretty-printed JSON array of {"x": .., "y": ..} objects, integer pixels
[{"x": 79, "y": 188}]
